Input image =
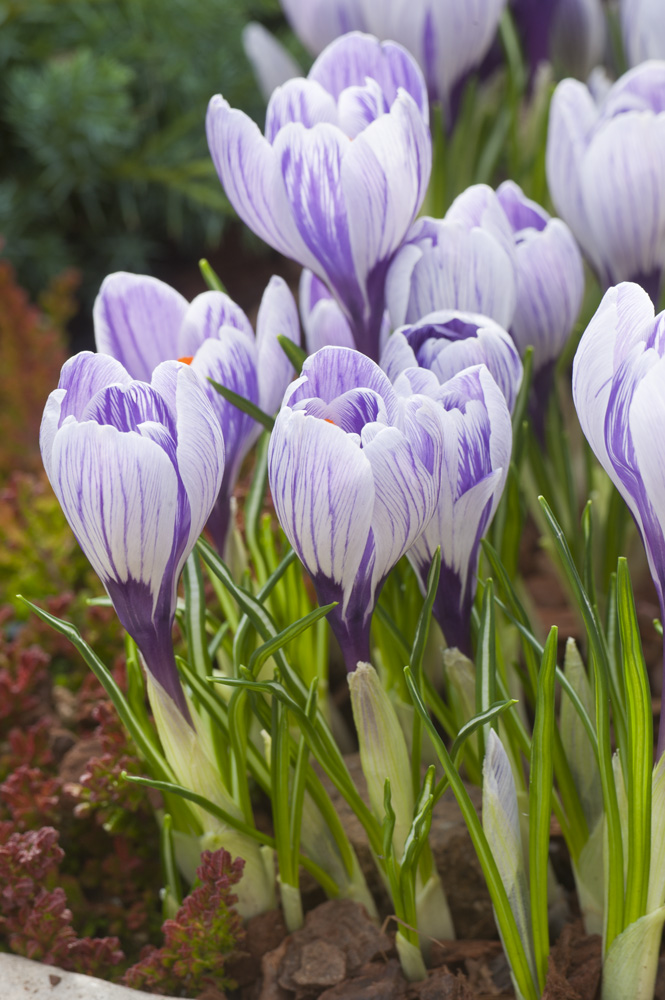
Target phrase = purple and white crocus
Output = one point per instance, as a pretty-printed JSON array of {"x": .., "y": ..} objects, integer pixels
[
  {"x": 355, "y": 475},
  {"x": 606, "y": 173},
  {"x": 477, "y": 443},
  {"x": 142, "y": 321},
  {"x": 447, "y": 342},
  {"x": 340, "y": 174},
  {"x": 465, "y": 261},
  {"x": 137, "y": 467},
  {"x": 619, "y": 394},
  {"x": 550, "y": 289}
]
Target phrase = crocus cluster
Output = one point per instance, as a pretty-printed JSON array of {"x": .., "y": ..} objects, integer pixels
[
  {"x": 338, "y": 207},
  {"x": 501, "y": 255},
  {"x": 606, "y": 173},
  {"x": 362, "y": 472}
]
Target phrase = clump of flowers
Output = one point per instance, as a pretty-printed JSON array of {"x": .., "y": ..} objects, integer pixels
[{"x": 201, "y": 936}]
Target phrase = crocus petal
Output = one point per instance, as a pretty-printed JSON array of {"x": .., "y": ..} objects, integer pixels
[
  {"x": 550, "y": 288},
  {"x": 299, "y": 100},
  {"x": 251, "y": 176},
  {"x": 467, "y": 270},
  {"x": 623, "y": 168},
  {"x": 643, "y": 25},
  {"x": 271, "y": 62},
  {"x": 277, "y": 316},
  {"x": 573, "y": 115},
  {"x": 647, "y": 422},
  {"x": 405, "y": 497},
  {"x": 348, "y": 61},
  {"x": 311, "y": 165},
  {"x": 322, "y": 487},
  {"x": 119, "y": 493},
  {"x": 329, "y": 374},
  {"x": 397, "y": 356},
  {"x": 205, "y": 315},
  {"x": 385, "y": 176},
  {"x": 200, "y": 449},
  {"x": 137, "y": 320},
  {"x": 621, "y": 322},
  {"x": 319, "y": 22},
  {"x": 230, "y": 360}
]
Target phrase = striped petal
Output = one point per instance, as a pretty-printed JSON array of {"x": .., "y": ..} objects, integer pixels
[
  {"x": 137, "y": 320},
  {"x": 323, "y": 490},
  {"x": 205, "y": 316},
  {"x": 278, "y": 316}
]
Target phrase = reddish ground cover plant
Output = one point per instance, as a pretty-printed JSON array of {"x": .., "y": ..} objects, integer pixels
[{"x": 200, "y": 938}]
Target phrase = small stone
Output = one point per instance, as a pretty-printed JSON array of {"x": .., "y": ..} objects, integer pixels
[
  {"x": 321, "y": 964},
  {"x": 54, "y": 980}
]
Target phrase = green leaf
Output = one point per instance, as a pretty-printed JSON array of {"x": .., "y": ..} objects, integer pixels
[
  {"x": 172, "y": 882},
  {"x": 482, "y": 719},
  {"x": 486, "y": 661},
  {"x": 639, "y": 750},
  {"x": 599, "y": 659},
  {"x": 541, "y": 776},
  {"x": 283, "y": 638},
  {"x": 294, "y": 353},
  {"x": 244, "y": 404},
  {"x": 631, "y": 962}
]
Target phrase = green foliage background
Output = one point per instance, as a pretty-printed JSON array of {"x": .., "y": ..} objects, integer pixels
[{"x": 103, "y": 155}]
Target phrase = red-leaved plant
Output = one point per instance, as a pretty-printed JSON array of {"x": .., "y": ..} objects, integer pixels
[{"x": 200, "y": 938}]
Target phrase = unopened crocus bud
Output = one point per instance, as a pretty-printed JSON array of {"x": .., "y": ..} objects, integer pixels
[
  {"x": 383, "y": 750},
  {"x": 501, "y": 823},
  {"x": 384, "y": 756},
  {"x": 606, "y": 173},
  {"x": 187, "y": 753}
]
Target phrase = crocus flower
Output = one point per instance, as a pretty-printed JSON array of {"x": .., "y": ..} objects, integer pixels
[
  {"x": 136, "y": 467},
  {"x": 465, "y": 261},
  {"x": 448, "y": 38},
  {"x": 570, "y": 34},
  {"x": 643, "y": 27},
  {"x": 477, "y": 443},
  {"x": 447, "y": 342},
  {"x": 141, "y": 321},
  {"x": 317, "y": 23},
  {"x": 550, "y": 288},
  {"x": 606, "y": 173},
  {"x": 355, "y": 475},
  {"x": 619, "y": 394},
  {"x": 338, "y": 207}
]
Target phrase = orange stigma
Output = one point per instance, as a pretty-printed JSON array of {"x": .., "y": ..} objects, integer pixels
[
  {"x": 186, "y": 361},
  {"x": 328, "y": 421}
]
